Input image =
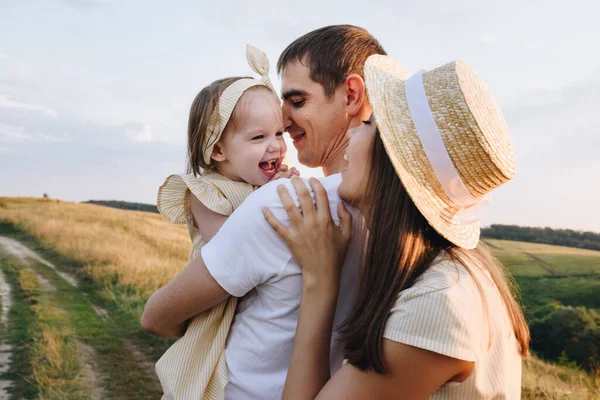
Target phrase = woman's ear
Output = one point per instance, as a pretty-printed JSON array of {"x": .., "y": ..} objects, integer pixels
[
  {"x": 218, "y": 154},
  {"x": 356, "y": 95}
]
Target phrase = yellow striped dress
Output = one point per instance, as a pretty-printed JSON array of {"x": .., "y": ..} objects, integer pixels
[{"x": 194, "y": 366}]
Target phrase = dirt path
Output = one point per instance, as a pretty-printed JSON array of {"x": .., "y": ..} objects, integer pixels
[
  {"x": 140, "y": 357},
  {"x": 5, "y": 348},
  {"x": 110, "y": 365},
  {"x": 551, "y": 269},
  {"x": 5, "y": 299},
  {"x": 90, "y": 372},
  {"x": 91, "y": 377},
  {"x": 25, "y": 254}
]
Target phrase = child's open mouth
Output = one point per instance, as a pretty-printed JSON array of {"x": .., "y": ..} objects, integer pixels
[{"x": 269, "y": 168}]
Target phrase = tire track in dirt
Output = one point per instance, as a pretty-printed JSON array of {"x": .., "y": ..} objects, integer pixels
[
  {"x": 5, "y": 348},
  {"x": 90, "y": 375},
  {"x": 551, "y": 269},
  {"x": 89, "y": 372},
  {"x": 15, "y": 248},
  {"x": 140, "y": 357},
  {"x": 5, "y": 298}
]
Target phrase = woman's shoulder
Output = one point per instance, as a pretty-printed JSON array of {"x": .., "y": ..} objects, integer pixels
[
  {"x": 439, "y": 312},
  {"x": 445, "y": 274},
  {"x": 447, "y": 286}
]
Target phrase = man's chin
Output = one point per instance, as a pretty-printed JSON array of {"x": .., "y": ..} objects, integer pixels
[{"x": 308, "y": 160}]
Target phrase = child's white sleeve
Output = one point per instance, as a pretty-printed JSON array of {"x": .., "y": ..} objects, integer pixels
[{"x": 246, "y": 251}]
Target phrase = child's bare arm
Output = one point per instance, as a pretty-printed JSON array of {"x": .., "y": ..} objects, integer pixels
[{"x": 206, "y": 220}]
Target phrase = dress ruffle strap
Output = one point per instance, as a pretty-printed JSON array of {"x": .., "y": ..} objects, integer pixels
[{"x": 216, "y": 192}]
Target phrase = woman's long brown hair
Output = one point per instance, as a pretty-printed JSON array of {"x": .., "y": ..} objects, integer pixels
[{"x": 401, "y": 245}]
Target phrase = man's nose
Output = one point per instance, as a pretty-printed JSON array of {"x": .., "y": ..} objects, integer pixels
[{"x": 287, "y": 119}]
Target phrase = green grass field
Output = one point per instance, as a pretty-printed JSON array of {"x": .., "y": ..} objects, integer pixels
[{"x": 548, "y": 273}]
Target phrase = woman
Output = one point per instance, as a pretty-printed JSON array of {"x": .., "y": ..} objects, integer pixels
[{"x": 434, "y": 316}]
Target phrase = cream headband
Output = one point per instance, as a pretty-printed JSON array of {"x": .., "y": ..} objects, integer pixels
[{"x": 259, "y": 63}]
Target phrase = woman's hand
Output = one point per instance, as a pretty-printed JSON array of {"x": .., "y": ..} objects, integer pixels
[
  {"x": 316, "y": 242},
  {"x": 320, "y": 247}
]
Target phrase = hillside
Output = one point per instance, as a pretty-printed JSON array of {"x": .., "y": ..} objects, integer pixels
[
  {"x": 559, "y": 237},
  {"x": 547, "y": 273},
  {"x": 125, "y": 205},
  {"x": 80, "y": 274}
]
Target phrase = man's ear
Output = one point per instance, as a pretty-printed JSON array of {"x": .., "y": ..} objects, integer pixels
[
  {"x": 217, "y": 154},
  {"x": 356, "y": 95}
]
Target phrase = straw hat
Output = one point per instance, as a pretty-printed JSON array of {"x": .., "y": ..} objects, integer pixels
[{"x": 446, "y": 138}]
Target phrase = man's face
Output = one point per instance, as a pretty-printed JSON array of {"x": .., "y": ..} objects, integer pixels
[{"x": 314, "y": 121}]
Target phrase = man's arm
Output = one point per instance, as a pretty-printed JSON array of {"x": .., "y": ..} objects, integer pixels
[{"x": 191, "y": 292}]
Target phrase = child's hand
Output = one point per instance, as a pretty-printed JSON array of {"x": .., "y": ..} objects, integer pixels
[{"x": 285, "y": 172}]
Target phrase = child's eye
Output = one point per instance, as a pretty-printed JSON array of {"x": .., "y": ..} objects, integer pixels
[
  {"x": 279, "y": 134},
  {"x": 297, "y": 103},
  {"x": 258, "y": 137}
]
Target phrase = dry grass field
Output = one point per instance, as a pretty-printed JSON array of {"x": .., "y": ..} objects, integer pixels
[
  {"x": 120, "y": 257},
  {"x": 132, "y": 248}
]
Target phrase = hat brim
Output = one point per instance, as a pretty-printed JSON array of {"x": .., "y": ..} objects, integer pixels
[{"x": 384, "y": 79}]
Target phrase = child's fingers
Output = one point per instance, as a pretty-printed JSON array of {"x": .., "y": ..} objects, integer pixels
[
  {"x": 277, "y": 226},
  {"x": 278, "y": 175},
  {"x": 290, "y": 173},
  {"x": 287, "y": 174},
  {"x": 283, "y": 168}
]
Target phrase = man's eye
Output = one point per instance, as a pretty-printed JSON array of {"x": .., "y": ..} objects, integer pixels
[
  {"x": 258, "y": 137},
  {"x": 297, "y": 103}
]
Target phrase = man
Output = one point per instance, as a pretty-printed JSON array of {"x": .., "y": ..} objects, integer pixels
[{"x": 323, "y": 96}]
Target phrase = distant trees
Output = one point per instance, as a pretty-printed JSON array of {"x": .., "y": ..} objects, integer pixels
[
  {"x": 567, "y": 333},
  {"x": 560, "y": 237},
  {"x": 126, "y": 205}
]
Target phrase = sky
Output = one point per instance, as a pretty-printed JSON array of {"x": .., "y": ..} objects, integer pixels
[{"x": 95, "y": 94}]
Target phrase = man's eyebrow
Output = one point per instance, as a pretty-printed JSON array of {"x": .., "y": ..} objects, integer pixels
[{"x": 292, "y": 92}]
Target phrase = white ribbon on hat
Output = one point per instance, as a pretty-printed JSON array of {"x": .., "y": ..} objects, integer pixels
[{"x": 437, "y": 154}]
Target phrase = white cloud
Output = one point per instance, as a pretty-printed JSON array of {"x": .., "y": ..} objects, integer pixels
[
  {"x": 487, "y": 39},
  {"x": 6, "y": 102},
  {"x": 88, "y": 3},
  {"x": 143, "y": 135},
  {"x": 13, "y": 134},
  {"x": 10, "y": 133}
]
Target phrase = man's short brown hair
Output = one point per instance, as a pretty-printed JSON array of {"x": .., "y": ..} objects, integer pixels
[{"x": 332, "y": 53}]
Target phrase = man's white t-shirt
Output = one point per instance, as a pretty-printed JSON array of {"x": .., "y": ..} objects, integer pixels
[{"x": 247, "y": 258}]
